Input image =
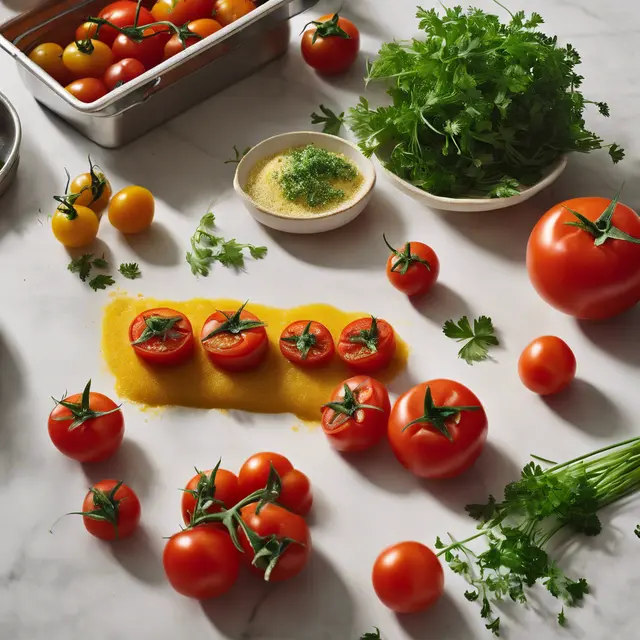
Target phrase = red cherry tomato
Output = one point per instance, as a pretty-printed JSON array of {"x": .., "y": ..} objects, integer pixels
[
  {"x": 87, "y": 31},
  {"x": 574, "y": 274},
  {"x": 367, "y": 345},
  {"x": 277, "y": 521},
  {"x": 122, "y": 72},
  {"x": 148, "y": 52},
  {"x": 87, "y": 89},
  {"x": 162, "y": 336},
  {"x": 296, "y": 493},
  {"x": 332, "y": 45},
  {"x": 228, "y": 11},
  {"x": 307, "y": 343},
  {"x": 225, "y": 488},
  {"x": 124, "y": 503},
  {"x": 408, "y": 577},
  {"x": 122, "y": 14},
  {"x": 356, "y": 419},
  {"x": 89, "y": 429},
  {"x": 430, "y": 441},
  {"x": 413, "y": 269},
  {"x": 234, "y": 340},
  {"x": 547, "y": 365},
  {"x": 180, "y": 12},
  {"x": 202, "y": 562},
  {"x": 201, "y": 28}
]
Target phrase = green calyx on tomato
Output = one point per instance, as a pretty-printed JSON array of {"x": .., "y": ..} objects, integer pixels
[
  {"x": 602, "y": 229},
  {"x": 85, "y": 46},
  {"x": 98, "y": 181},
  {"x": 405, "y": 258},
  {"x": 303, "y": 341},
  {"x": 81, "y": 411},
  {"x": 348, "y": 407},
  {"x": 368, "y": 337},
  {"x": 328, "y": 29},
  {"x": 67, "y": 201},
  {"x": 234, "y": 324},
  {"x": 159, "y": 327},
  {"x": 204, "y": 493},
  {"x": 267, "y": 549},
  {"x": 106, "y": 508},
  {"x": 437, "y": 416}
]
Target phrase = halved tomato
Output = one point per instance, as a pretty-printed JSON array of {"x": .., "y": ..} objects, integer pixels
[
  {"x": 307, "y": 343},
  {"x": 367, "y": 345}
]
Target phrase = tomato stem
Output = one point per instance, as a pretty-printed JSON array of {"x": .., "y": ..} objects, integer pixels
[
  {"x": 327, "y": 29},
  {"x": 234, "y": 324},
  {"x": 405, "y": 258},
  {"x": 81, "y": 412},
  {"x": 368, "y": 337},
  {"x": 349, "y": 405},
  {"x": 303, "y": 341}
]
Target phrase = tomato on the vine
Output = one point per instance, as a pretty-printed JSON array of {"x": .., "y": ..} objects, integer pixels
[
  {"x": 273, "y": 520},
  {"x": 76, "y": 229},
  {"x": 122, "y": 72},
  {"x": 202, "y": 562},
  {"x": 93, "y": 187},
  {"x": 228, "y": 11},
  {"x": 201, "y": 28},
  {"x": 356, "y": 416},
  {"x": 307, "y": 343},
  {"x": 547, "y": 365},
  {"x": 87, "y": 89},
  {"x": 332, "y": 46},
  {"x": 121, "y": 14},
  {"x": 407, "y": 577},
  {"x": 296, "y": 492},
  {"x": 180, "y": 12},
  {"x": 221, "y": 488},
  {"x": 87, "y": 427},
  {"x": 412, "y": 269},
  {"x": 583, "y": 257},
  {"x": 48, "y": 56},
  {"x": 162, "y": 336},
  {"x": 367, "y": 345},
  {"x": 111, "y": 510},
  {"x": 87, "y": 58},
  {"x": 131, "y": 210},
  {"x": 437, "y": 429},
  {"x": 235, "y": 340},
  {"x": 147, "y": 47}
]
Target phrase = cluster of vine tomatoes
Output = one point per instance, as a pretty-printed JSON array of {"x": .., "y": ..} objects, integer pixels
[{"x": 125, "y": 39}]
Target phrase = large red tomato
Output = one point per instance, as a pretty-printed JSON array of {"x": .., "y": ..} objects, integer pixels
[
  {"x": 437, "y": 429},
  {"x": 583, "y": 257}
]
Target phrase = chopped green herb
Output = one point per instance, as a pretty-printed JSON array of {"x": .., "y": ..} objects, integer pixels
[
  {"x": 372, "y": 635},
  {"x": 562, "y": 619},
  {"x": 130, "y": 270},
  {"x": 308, "y": 174},
  {"x": 100, "y": 263},
  {"x": 637, "y": 530},
  {"x": 479, "y": 339},
  {"x": 101, "y": 281},
  {"x": 82, "y": 265},
  {"x": 331, "y": 122}
]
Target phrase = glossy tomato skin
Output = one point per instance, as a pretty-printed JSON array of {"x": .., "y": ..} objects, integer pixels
[
  {"x": 227, "y": 491},
  {"x": 425, "y": 451},
  {"x": 296, "y": 494},
  {"x": 48, "y": 56},
  {"x": 366, "y": 427},
  {"x": 275, "y": 520},
  {"x": 78, "y": 232},
  {"x": 182, "y": 11},
  {"x": 121, "y": 13},
  {"x": 333, "y": 54},
  {"x": 228, "y": 11},
  {"x": 82, "y": 184},
  {"x": 239, "y": 352},
  {"x": 407, "y": 577},
  {"x": 573, "y": 275},
  {"x": 122, "y": 72},
  {"x": 547, "y": 365},
  {"x": 202, "y": 27},
  {"x": 418, "y": 278},
  {"x": 128, "y": 512},
  {"x": 357, "y": 356},
  {"x": 319, "y": 355},
  {"x": 202, "y": 562},
  {"x": 95, "y": 439},
  {"x": 87, "y": 89},
  {"x": 156, "y": 351},
  {"x": 149, "y": 52},
  {"x": 87, "y": 65}
]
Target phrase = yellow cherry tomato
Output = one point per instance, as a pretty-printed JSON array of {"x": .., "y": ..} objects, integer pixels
[
  {"x": 48, "y": 56},
  {"x": 87, "y": 58},
  {"x": 94, "y": 190},
  {"x": 78, "y": 231},
  {"x": 131, "y": 209}
]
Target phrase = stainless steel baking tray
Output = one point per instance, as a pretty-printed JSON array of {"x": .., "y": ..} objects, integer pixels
[{"x": 176, "y": 84}]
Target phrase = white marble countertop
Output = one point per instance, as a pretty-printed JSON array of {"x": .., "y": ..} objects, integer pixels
[{"x": 69, "y": 585}]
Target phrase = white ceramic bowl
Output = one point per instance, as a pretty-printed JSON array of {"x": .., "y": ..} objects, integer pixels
[
  {"x": 478, "y": 204},
  {"x": 338, "y": 217}
]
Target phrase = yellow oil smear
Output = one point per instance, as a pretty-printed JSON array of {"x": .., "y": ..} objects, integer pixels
[{"x": 277, "y": 386}]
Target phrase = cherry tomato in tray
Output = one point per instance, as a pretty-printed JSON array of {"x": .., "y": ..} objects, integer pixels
[
  {"x": 367, "y": 345},
  {"x": 122, "y": 72},
  {"x": 48, "y": 56},
  {"x": 307, "y": 343},
  {"x": 332, "y": 46},
  {"x": 87, "y": 58},
  {"x": 228, "y": 11},
  {"x": 547, "y": 365},
  {"x": 121, "y": 14},
  {"x": 180, "y": 12},
  {"x": 147, "y": 48},
  {"x": 87, "y": 89},
  {"x": 413, "y": 269},
  {"x": 200, "y": 28}
]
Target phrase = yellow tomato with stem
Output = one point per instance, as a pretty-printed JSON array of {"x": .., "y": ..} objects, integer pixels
[
  {"x": 131, "y": 209},
  {"x": 87, "y": 58},
  {"x": 93, "y": 187},
  {"x": 74, "y": 225}
]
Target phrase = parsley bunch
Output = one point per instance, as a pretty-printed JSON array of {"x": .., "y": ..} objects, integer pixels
[
  {"x": 517, "y": 530},
  {"x": 479, "y": 107}
]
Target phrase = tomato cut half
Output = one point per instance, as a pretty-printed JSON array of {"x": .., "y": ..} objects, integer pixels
[
  {"x": 162, "y": 336},
  {"x": 307, "y": 343},
  {"x": 367, "y": 345},
  {"x": 235, "y": 340}
]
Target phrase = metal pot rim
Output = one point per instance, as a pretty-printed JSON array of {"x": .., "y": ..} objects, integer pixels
[{"x": 14, "y": 153}]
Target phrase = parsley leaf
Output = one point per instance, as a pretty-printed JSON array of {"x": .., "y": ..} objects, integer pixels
[
  {"x": 562, "y": 619},
  {"x": 101, "y": 281},
  {"x": 372, "y": 635},
  {"x": 81, "y": 266},
  {"x": 100, "y": 263},
  {"x": 331, "y": 122},
  {"x": 637, "y": 530},
  {"x": 479, "y": 339},
  {"x": 130, "y": 270}
]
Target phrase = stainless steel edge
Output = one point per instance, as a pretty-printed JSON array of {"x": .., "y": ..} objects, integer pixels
[{"x": 12, "y": 157}]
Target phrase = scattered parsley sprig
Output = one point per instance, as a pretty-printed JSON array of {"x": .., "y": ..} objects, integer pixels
[
  {"x": 372, "y": 635},
  {"x": 479, "y": 339},
  {"x": 83, "y": 265},
  {"x": 130, "y": 270},
  {"x": 332, "y": 123},
  {"x": 86, "y": 262}
]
